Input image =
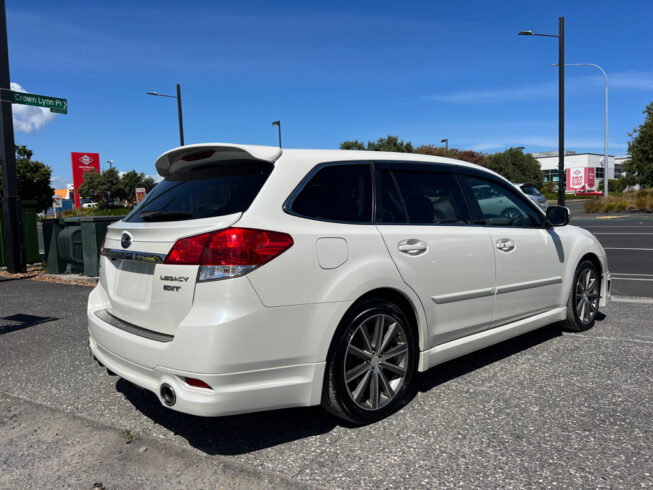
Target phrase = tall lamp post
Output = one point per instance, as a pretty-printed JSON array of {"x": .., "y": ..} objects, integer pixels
[
  {"x": 561, "y": 105},
  {"x": 278, "y": 123},
  {"x": 178, "y": 97},
  {"x": 605, "y": 150},
  {"x": 446, "y": 142}
]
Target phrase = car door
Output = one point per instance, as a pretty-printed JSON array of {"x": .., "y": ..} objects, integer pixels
[
  {"x": 424, "y": 221},
  {"x": 529, "y": 257}
]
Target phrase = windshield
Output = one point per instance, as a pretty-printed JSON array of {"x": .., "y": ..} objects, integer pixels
[{"x": 203, "y": 192}]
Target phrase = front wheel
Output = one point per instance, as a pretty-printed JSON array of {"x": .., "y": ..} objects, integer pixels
[
  {"x": 583, "y": 304},
  {"x": 370, "y": 364}
]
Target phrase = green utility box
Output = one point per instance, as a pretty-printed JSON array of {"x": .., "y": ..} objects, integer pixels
[
  {"x": 30, "y": 235},
  {"x": 72, "y": 245}
]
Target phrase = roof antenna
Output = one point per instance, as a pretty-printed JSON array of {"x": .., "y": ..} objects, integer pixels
[{"x": 278, "y": 123}]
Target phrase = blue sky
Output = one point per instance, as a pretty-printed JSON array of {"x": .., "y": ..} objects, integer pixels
[{"x": 331, "y": 71}]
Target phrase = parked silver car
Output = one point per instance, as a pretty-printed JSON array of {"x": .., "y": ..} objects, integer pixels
[{"x": 533, "y": 194}]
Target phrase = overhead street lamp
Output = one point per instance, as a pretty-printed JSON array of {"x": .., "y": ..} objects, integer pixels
[
  {"x": 561, "y": 104},
  {"x": 178, "y": 97},
  {"x": 446, "y": 142},
  {"x": 110, "y": 162},
  {"x": 605, "y": 164}
]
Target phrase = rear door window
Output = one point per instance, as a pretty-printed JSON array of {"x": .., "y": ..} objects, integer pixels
[
  {"x": 337, "y": 192},
  {"x": 419, "y": 197},
  {"x": 203, "y": 192}
]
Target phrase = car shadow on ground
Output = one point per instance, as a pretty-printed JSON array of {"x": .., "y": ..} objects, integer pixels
[
  {"x": 20, "y": 321},
  {"x": 240, "y": 434}
]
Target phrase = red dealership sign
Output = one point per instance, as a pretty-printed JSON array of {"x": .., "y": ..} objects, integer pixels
[
  {"x": 580, "y": 179},
  {"x": 82, "y": 163}
]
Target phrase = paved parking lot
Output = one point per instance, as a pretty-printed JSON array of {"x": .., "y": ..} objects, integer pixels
[{"x": 545, "y": 409}]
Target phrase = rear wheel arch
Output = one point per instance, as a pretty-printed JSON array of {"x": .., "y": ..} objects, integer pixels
[
  {"x": 337, "y": 397},
  {"x": 401, "y": 301}
]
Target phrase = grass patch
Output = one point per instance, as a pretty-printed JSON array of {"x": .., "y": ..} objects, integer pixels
[
  {"x": 128, "y": 436},
  {"x": 632, "y": 201},
  {"x": 71, "y": 213}
]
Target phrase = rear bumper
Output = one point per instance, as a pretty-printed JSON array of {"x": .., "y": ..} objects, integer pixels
[
  {"x": 252, "y": 391},
  {"x": 254, "y": 358}
]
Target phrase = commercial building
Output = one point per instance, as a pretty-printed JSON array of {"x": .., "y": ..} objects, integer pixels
[{"x": 594, "y": 161}]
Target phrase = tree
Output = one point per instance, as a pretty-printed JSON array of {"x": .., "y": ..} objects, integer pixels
[
  {"x": 390, "y": 143},
  {"x": 464, "y": 155},
  {"x": 516, "y": 166},
  {"x": 91, "y": 186},
  {"x": 33, "y": 179},
  {"x": 639, "y": 168},
  {"x": 133, "y": 179},
  {"x": 102, "y": 187}
]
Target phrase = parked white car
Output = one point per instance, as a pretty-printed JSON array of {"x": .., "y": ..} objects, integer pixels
[
  {"x": 253, "y": 278},
  {"x": 89, "y": 205}
]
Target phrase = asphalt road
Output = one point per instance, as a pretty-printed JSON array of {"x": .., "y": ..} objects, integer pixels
[
  {"x": 546, "y": 409},
  {"x": 628, "y": 241}
]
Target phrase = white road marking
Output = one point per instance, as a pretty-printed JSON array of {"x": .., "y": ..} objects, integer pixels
[
  {"x": 620, "y": 248},
  {"x": 632, "y": 299},
  {"x": 628, "y": 274},
  {"x": 630, "y": 279}
]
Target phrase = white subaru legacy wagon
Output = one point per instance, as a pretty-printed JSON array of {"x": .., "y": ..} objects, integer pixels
[{"x": 254, "y": 278}]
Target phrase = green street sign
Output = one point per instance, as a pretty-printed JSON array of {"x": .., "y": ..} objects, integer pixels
[{"x": 60, "y": 106}]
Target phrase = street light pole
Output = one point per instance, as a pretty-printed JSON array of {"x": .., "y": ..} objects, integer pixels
[
  {"x": 561, "y": 105},
  {"x": 605, "y": 142},
  {"x": 446, "y": 142},
  {"x": 178, "y": 97},
  {"x": 181, "y": 123},
  {"x": 278, "y": 123},
  {"x": 11, "y": 205}
]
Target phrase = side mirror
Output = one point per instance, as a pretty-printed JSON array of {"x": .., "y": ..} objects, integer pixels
[{"x": 557, "y": 215}]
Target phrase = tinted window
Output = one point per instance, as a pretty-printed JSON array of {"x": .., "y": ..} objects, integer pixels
[
  {"x": 337, "y": 193},
  {"x": 500, "y": 206},
  {"x": 210, "y": 190},
  {"x": 419, "y": 198}
]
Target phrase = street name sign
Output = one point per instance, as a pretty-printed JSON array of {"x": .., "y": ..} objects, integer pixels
[{"x": 55, "y": 104}]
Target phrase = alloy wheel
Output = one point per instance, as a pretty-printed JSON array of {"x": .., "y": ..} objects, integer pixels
[
  {"x": 376, "y": 362},
  {"x": 587, "y": 296}
]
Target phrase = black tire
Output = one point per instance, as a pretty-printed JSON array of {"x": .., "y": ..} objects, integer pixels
[
  {"x": 583, "y": 302},
  {"x": 352, "y": 399}
]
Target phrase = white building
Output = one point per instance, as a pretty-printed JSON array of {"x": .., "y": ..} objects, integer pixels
[{"x": 549, "y": 164}]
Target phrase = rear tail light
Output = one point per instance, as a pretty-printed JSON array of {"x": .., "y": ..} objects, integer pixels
[{"x": 229, "y": 253}]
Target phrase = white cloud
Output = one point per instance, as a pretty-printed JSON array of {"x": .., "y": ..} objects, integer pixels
[
  {"x": 28, "y": 118},
  {"x": 59, "y": 182},
  {"x": 631, "y": 80},
  {"x": 536, "y": 91},
  {"x": 157, "y": 178},
  {"x": 627, "y": 80}
]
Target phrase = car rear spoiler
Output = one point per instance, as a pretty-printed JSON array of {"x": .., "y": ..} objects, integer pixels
[{"x": 192, "y": 155}]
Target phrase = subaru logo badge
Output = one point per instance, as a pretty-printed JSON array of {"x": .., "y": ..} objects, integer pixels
[{"x": 125, "y": 241}]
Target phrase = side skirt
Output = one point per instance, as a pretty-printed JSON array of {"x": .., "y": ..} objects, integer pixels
[{"x": 459, "y": 347}]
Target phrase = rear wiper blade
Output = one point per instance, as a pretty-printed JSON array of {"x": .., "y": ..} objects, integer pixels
[{"x": 163, "y": 215}]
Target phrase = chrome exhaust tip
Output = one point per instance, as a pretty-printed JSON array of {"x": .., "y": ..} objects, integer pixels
[{"x": 168, "y": 394}]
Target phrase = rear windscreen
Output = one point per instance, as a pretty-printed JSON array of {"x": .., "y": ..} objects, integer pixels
[{"x": 203, "y": 192}]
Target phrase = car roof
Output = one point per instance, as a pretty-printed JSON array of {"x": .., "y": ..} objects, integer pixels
[{"x": 302, "y": 159}]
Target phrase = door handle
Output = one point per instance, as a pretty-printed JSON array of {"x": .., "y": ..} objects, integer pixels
[
  {"x": 412, "y": 246},
  {"x": 505, "y": 244}
]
